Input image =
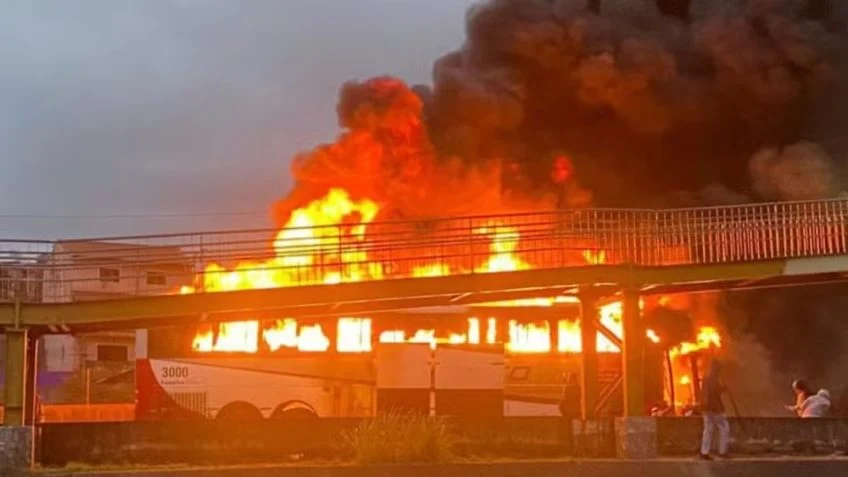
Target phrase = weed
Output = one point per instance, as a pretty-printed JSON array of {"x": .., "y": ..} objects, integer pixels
[{"x": 400, "y": 438}]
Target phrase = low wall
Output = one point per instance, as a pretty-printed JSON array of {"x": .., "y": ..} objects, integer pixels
[
  {"x": 208, "y": 442},
  {"x": 673, "y": 468},
  {"x": 85, "y": 412},
  {"x": 753, "y": 436},
  {"x": 275, "y": 441},
  {"x": 15, "y": 448}
]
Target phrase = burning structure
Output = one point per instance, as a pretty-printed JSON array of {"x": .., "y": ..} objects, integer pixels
[
  {"x": 324, "y": 243},
  {"x": 560, "y": 104}
]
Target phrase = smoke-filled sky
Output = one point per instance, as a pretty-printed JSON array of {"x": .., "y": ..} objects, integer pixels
[
  {"x": 194, "y": 108},
  {"x": 124, "y": 107}
]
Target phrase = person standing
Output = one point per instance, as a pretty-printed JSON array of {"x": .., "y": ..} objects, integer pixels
[
  {"x": 714, "y": 413},
  {"x": 569, "y": 410}
]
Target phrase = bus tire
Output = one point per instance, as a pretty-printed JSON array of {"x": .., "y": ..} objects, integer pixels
[
  {"x": 294, "y": 410},
  {"x": 239, "y": 411}
]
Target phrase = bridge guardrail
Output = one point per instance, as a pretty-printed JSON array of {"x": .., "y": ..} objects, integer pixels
[{"x": 71, "y": 270}]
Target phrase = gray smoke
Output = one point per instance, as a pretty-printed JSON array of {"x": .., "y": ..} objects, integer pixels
[{"x": 800, "y": 171}]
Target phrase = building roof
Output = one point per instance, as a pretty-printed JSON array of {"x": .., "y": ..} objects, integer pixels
[{"x": 103, "y": 253}]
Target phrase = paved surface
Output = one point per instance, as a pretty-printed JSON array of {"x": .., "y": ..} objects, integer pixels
[{"x": 772, "y": 467}]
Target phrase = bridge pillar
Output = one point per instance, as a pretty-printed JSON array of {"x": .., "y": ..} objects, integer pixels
[
  {"x": 15, "y": 395},
  {"x": 589, "y": 354},
  {"x": 636, "y": 435},
  {"x": 633, "y": 354},
  {"x": 553, "y": 335}
]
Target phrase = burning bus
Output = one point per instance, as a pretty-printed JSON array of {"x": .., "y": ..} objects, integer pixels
[
  {"x": 447, "y": 361},
  {"x": 442, "y": 362}
]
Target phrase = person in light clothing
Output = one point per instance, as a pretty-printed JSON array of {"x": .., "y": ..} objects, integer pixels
[
  {"x": 714, "y": 413},
  {"x": 816, "y": 405}
]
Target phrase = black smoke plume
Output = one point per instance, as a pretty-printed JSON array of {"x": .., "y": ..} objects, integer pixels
[{"x": 643, "y": 103}]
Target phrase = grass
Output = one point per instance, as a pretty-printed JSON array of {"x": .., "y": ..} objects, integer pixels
[{"x": 401, "y": 438}]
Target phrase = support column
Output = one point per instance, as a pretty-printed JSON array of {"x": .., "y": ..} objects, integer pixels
[
  {"x": 633, "y": 355},
  {"x": 553, "y": 335},
  {"x": 31, "y": 379},
  {"x": 15, "y": 387},
  {"x": 636, "y": 436},
  {"x": 589, "y": 355}
]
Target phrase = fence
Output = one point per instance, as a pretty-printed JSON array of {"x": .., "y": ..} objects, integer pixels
[{"x": 231, "y": 260}]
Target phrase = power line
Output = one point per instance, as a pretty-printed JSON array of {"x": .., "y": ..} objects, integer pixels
[{"x": 129, "y": 216}]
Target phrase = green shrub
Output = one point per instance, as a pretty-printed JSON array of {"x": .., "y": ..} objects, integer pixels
[{"x": 400, "y": 438}]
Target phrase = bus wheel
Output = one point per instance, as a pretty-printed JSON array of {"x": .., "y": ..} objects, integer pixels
[
  {"x": 293, "y": 411},
  {"x": 239, "y": 411}
]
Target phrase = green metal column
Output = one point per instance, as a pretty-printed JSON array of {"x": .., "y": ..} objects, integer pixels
[
  {"x": 633, "y": 355},
  {"x": 15, "y": 388},
  {"x": 589, "y": 355},
  {"x": 30, "y": 378}
]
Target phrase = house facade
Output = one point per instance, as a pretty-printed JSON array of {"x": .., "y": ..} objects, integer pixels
[{"x": 76, "y": 271}]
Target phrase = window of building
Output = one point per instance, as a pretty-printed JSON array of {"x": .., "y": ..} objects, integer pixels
[
  {"x": 110, "y": 275},
  {"x": 156, "y": 278},
  {"x": 113, "y": 353}
]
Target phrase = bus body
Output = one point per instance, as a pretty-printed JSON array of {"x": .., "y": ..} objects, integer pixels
[{"x": 175, "y": 382}]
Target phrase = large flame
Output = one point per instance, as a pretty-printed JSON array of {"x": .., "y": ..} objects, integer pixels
[
  {"x": 354, "y": 335},
  {"x": 323, "y": 243},
  {"x": 708, "y": 337},
  {"x": 324, "y": 236}
]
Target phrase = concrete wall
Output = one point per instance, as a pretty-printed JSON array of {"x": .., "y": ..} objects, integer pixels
[
  {"x": 752, "y": 436},
  {"x": 269, "y": 441},
  {"x": 85, "y": 412},
  {"x": 15, "y": 448},
  {"x": 674, "y": 468}
]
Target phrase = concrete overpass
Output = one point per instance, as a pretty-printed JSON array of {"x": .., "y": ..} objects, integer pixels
[{"x": 347, "y": 270}]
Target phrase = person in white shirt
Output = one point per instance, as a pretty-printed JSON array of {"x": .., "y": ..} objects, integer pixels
[{"x": 816, "y": 405}]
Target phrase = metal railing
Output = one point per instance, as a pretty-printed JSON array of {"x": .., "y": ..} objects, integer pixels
[{"x": 163, "y": 264}]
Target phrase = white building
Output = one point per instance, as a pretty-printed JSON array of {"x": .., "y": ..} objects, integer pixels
[{"x": 95, "y": 270}]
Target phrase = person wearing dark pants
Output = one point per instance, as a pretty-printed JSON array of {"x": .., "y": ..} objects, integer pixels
[
  {"x": 714, "y": 413},
  {"x": 569, "y": 410}
]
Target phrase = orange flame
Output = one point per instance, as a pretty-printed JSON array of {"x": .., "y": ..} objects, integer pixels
[
  {"x": 323, "y": 243},
  {"x": 312, "y": 235},
  {"x": 529, "y": 337},
  {"x": 708, "y": 337},
  {"x": 652, "y": 335},
  {"x": 354, "y": 336},
  {"x": 593, "y": 257},
  {"x": 503, "y": 246},
  {"x": 238, "y": 336}
]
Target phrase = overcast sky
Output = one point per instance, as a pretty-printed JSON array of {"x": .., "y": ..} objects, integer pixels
[{"x": 127, "y": 107}]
